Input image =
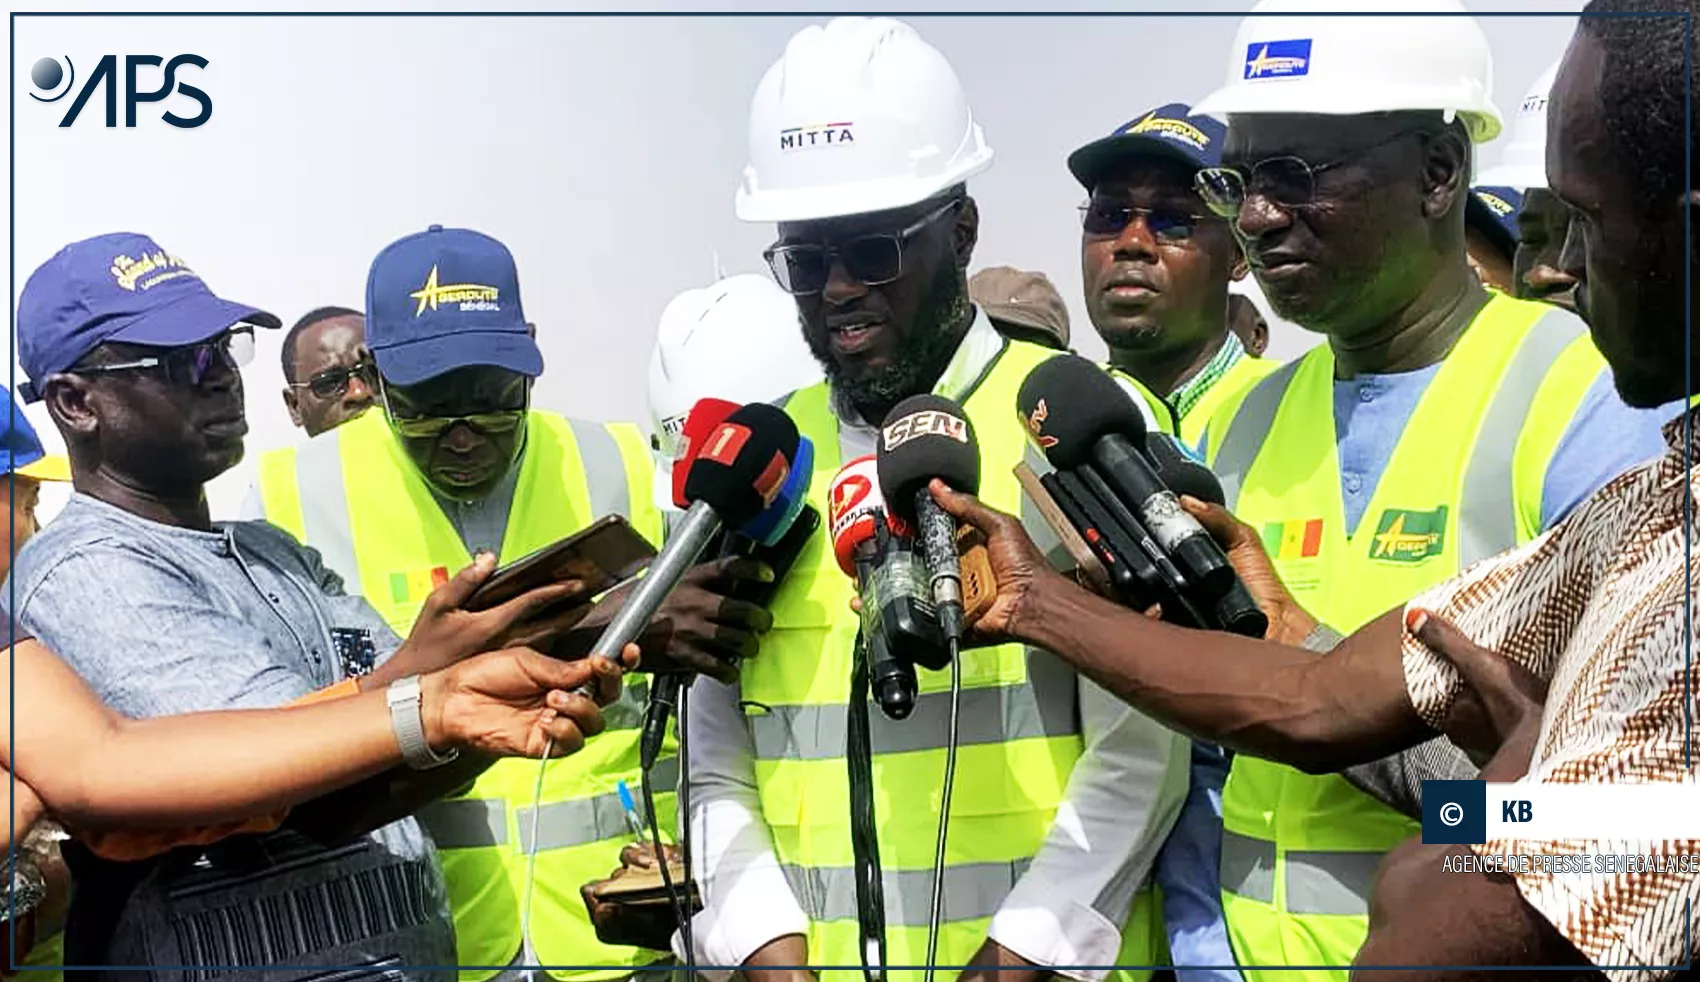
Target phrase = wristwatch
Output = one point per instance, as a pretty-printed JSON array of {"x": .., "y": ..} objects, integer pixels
[{"x": 407, "y": 718}]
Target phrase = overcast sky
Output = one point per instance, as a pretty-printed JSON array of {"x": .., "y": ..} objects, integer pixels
[{"x": 603, "y": 150}]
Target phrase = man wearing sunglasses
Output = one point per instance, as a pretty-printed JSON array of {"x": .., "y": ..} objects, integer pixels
[
  {"x": 161, "y": 612},
  {"x": 1062, "y": 799},
  {"x": 328, "y": 370},
  {"x": 456, "y": 461},
  {"x": 1156, "y": 262},
  {"x": 1439, "y": 424}
]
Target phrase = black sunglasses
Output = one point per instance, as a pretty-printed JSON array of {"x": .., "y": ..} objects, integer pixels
[
  {"x": 1286, "y": 181},
  {"x": 187, "y": 364},
  {"x": 333, "y": 383},
  {"x": 803, "y": 268},
  {"x": 489, "y": 423},
  {"x": 1107, "y": 216}
]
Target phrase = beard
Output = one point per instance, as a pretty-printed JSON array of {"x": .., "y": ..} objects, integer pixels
[{"x": 921, "y": 359}]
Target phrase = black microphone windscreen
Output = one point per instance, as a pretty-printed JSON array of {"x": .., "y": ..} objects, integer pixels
[
  {"x": 744, "y": 463},
  {"x": 924, "y": 437},
  {"x": 1181, "y": 473},
  {"x": 1068, "y": 403}
]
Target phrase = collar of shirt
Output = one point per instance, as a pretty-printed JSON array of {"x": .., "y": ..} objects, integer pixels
[
  {"x": 1187, "y": 394},
  {"x": 1682, "y": 436},
  {"x": 979, "y": 346}
]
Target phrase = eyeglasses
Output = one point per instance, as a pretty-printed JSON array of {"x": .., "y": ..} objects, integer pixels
[
  {"x": 871, "y": 260},
  {"x": 490, "y": 423},
  {"x": 190, "y": 363},
  {"x": 1107, "y": 216},
  {"x": 333, "y": 383},
  {"x": 1289, "y": 182}
]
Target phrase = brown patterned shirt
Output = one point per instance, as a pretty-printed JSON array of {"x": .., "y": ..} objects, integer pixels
[{"x": 1598, "y": 606}]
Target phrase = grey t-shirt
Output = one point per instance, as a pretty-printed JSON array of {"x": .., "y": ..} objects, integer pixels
[{"x": 160, "y": 620}]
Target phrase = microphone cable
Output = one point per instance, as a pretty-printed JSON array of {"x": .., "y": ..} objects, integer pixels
[
  {"x": 531, "y": 851},
  {"x": 950, "y": 743},
  {"x": 676, "y": 896},
  {"x": 864, "y": 830}
]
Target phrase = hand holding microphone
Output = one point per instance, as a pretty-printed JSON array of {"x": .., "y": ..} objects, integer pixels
[
  {"x": 1093, "y": 434},
  {"x": 742, "y": 466}
]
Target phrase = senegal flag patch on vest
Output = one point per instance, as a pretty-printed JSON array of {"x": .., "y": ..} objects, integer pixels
[
  {"x": 1297, "y": 539},
  {"x": 1405, "y": 536},
  {"x": 411, "y": 587}
]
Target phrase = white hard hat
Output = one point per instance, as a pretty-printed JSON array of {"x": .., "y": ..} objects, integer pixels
[
  {"x": 858, "y": 116},
  {"x": 738, "y": 340},
  {"x": 1524, "y": 164},
  {"x": 1347, "y": 66}
]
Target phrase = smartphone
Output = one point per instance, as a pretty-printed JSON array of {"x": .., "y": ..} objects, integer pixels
[
  {"x": 1086, "y": 563},
  {"x": 603, "y": 554}
]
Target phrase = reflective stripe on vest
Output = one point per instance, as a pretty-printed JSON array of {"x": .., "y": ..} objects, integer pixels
[
  {"x": 1019, "y": 731},
  {"x": 971, "y": 891},
  {"x": 1456, "y": 489},
  {"x": 1046, "y": 707},
  {"x": 1317, "y": 882},
  {"x": 565, "y": 824},
  {"x": 358, "y": 499},
  {"x": 1245, "y": 373}
]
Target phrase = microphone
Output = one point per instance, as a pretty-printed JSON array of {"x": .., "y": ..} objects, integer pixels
[
  {"x": 740, "y": 469},
  {"x": 767, "y": 528},
  {"x": 926, "y": 437},
  {"x": 703, "y": 418},
  {"x": 1080, "y": 417},
  {"x": 1236, "y": 610},
  {"x": 899, "y": 622}
]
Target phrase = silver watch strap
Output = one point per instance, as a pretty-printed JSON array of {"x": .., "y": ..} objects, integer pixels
[
  {"x": 407, "y": 718},
  {"x": 1323, "y": 638}
]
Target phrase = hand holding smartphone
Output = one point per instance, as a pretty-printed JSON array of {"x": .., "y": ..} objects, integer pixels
[{"x": 602, "y": 555}]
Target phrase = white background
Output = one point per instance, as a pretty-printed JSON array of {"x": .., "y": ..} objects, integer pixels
[{"x": 603, "y": 151}]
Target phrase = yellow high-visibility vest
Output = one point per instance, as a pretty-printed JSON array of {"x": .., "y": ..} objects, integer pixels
[
  {"x": 355, "y": 496},
  {"x": 1300, "y": 851},
  {"x": 1019, "y": 741},
  {"x": 1244, "y": 374}
]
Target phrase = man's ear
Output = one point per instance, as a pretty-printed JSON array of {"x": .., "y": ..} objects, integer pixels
[
  {"x": 293, "y": 403},
  {"x": 69, "y": 400},
  {"x": 1446, "y": 171},
  {"x": 1240, "y": 267},
  {"x": 966, "y": 232}
]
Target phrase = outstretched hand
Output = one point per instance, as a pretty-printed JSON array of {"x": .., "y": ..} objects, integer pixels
[
  {"x": 446, "y": 632},
  {"x": 1289, "y": 623},
  {"x": 1017, "y": 564},
  {"x": 514, "y": 702},
  {"x": 1499, "y": 708}
]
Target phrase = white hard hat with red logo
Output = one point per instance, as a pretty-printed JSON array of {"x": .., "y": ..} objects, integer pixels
[
  {"x": 858, "y": 116},
  {"x": 738, "y": 340},
  {"x": 1524, "y": 164},
  {"x": 1284, "y": 62}
]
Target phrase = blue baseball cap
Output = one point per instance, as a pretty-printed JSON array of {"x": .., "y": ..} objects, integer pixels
[
  {"x": 444, "y": 299},
  {"x": 21, "y": 451},
  {"x": 116, "y": 287},
  {"x": 1167, "y": 131},
  {"x": 1492, "y": 210}
]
